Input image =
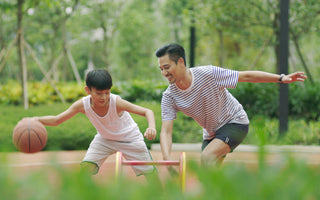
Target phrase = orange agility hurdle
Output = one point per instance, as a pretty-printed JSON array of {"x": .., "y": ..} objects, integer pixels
[{"x": 181, "y": 162}]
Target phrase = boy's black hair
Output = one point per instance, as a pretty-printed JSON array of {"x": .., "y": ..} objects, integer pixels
[
  {"x": 174, "y": 51},
  {"x": 99, "y": 79}
]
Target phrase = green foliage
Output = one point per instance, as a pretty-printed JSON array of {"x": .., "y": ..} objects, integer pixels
[
  {"x": 10, "y": 93},
  {"x": 143, "y": 124},
  {"x": 74, "y": 134},
  {"x": 138, "y": 14},
  {"x": 40, "y": 93},
  {"x": 186, "y": 130},
  {"x": 263, "y": 99},
  {"x": 258, "y": 98},
  {"x": 44, "y": 93},
  {"x": 142, "y": 90},
  {"x": 304, "y": 101},
  {"x": 122, "y": 35}
]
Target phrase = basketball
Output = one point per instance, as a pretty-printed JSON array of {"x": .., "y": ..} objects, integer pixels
[{"x": 29, "y": 136}]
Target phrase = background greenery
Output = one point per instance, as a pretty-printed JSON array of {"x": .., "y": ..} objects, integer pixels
[
  {"x": 122, "y": 37},
  {"x": 260, "y": 100}
]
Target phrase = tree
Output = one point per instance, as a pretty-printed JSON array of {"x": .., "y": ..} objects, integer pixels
[
  {"x": 134, "y": 41},
  {"x": 22, "y": 58},
  {"x": 258, "y": 21},
  {"x": 7, "y": 37},
  {"x": 54, "y": 16},
  {"x": 305, "y": 18},
  {"x": 101, "y": 23},
  {"x": 21, "y": 45}
]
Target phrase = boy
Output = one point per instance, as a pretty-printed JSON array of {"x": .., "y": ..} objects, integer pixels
[{"x": 116, "y": 130}]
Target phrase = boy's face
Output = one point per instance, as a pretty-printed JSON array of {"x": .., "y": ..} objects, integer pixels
[{"x": 99, "y": 97}]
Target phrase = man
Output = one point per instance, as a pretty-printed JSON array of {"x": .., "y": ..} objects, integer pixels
[{"x": 201, "y": 93}]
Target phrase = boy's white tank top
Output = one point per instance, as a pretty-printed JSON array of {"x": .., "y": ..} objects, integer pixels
[{"x": 111, "y": 126}]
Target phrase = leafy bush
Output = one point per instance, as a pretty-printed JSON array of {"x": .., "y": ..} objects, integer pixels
[
  {"x": 40, "y": 93},
  {"x": 44, "y": 93},
  {"x": 263, "y": 99},
  {"x": 10, "y": 93},
  {"x": 146, "y": 90},
  {"x": 304, "y": 101},
  {"x": 257, "y": 99}
]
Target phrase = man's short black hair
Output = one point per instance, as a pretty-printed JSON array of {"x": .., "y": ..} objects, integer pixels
[
  {"x": 99, "y": 79},
  {"x": 174, "y": 51}
]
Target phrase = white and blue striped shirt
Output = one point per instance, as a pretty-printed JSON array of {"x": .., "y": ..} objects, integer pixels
[{"x": 207, "y": 100}]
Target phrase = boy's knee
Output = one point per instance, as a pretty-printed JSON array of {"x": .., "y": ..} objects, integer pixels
[{"x": 89, "y": 167}]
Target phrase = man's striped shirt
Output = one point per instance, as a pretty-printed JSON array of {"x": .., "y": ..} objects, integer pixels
[{"x": 207, "y": 100}]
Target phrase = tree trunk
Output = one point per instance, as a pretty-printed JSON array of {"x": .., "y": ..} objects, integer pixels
[
  {"x": 22, "y": 58},
  {"x": 192, "y": 44},
  {"x": 283, "y": 65},
  {"x": 221, "y": 55},
  {"x": 64, "y": 73}
]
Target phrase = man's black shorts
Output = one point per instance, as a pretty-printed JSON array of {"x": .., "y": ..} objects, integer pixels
[{"x": 232, "y": 134}]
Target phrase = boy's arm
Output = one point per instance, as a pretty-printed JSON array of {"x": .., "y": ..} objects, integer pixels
[
  {"x": 265, "y": 77},
  {"x": 54, "y": 120},
  {"x": 123, "y": 105}
]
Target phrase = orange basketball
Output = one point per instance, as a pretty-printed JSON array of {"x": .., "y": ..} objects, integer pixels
[{"x": 29, "y": 136}]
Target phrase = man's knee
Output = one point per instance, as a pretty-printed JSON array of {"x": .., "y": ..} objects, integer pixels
[
  {"x": 89, "y": 167},
  {"x": 214, "y": 152}
]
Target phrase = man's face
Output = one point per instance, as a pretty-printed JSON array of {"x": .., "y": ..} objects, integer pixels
[{"x": 169, "y": 68}]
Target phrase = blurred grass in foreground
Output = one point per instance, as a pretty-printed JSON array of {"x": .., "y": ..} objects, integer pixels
[{"x": 290, "y": 180}]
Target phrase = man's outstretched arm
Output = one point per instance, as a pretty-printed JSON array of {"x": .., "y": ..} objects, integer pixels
[{"x": 266, "y": 77}]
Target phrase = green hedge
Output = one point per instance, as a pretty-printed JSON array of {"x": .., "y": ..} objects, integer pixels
[
  {"x": 263, "y": 99},
  {"x": 40, "y": 93},
  {"x": 44, "y": 93},
  {"x": 72, "y": 136},
  {"x": 257, "y": 98}
]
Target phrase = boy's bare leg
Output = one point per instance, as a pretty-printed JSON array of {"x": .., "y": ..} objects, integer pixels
[{"x": 89, "y": 167}]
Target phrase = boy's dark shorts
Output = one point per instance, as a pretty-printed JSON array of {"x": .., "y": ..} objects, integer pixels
[{"x": 232, "y": 134}]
